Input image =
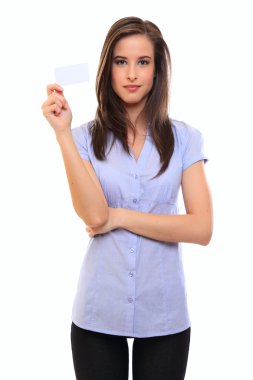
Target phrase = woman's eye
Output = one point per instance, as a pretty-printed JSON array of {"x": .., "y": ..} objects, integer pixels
[
  {"x": 144, "y": 62},
  {"x": 120, "y": 61}
]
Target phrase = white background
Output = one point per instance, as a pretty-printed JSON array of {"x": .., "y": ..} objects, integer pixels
[{"x": 43, "y": 240}]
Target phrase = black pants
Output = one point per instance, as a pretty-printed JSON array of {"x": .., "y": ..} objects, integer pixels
[{"x": 99, "y": 356}]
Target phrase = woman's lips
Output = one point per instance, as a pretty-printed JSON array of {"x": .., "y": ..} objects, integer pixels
[{"x": 132, "y": 88}]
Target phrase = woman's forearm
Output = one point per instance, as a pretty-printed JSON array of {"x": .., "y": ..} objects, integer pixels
[
  {"x": 186, "y": 228},
  {"x": 89, "y": 203}
]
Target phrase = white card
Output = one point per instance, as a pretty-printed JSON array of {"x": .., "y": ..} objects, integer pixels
[{"x": 72, "y": 74}]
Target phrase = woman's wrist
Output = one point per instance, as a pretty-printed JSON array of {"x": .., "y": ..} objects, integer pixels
[
  {"x": 60, "y": 135},
  {"x": 120, "y": 217}
]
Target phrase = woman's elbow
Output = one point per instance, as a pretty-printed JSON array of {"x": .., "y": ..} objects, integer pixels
[
  {"x": 206, "y": 236},
  {"x": 95, "y": 218},
  {"x": 101, "y": 218}
]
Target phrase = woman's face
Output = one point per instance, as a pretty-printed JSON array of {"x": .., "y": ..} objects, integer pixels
[{"x": 133, "y": 69}]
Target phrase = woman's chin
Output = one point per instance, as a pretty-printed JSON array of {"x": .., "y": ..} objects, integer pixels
[{"x": 133, "y": 102}]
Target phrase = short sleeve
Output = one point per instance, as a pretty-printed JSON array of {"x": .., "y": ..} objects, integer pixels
[
  {"x": 192, "y": 147},
  {"x": 80, "y": 139}
]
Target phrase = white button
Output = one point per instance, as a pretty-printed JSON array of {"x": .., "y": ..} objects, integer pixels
[
  {"x": 132, "y": 250},
  {"x": 131, "y": 274},
  {"x": 130, "y": 299},
  {"x": 134, "y": 200}
]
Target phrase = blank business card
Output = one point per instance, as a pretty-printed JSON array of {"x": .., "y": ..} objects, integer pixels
[{"x": 72, "y": 74}]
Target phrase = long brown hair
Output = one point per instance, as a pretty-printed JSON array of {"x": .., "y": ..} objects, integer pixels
[{"x": 111, "y": 113}]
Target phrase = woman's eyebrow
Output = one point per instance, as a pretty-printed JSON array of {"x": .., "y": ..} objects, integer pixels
[{"x": 142, "y": 57}]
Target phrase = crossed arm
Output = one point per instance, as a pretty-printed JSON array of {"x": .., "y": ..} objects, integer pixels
[
  {"x": 195, "y": 226},
  {"x": 91, "y": 206}
]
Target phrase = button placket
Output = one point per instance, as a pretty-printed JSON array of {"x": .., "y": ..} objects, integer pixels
[
  {"x": 131, "y": 275},
  {"x": 136, "y": 189},
  {"x": 136, "y": 168},
  {"x": 134, "y": 238}
]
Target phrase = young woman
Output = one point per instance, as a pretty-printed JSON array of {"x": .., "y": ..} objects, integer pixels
[{"x": 125, "y": 169}]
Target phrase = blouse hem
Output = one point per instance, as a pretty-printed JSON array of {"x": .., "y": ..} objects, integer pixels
[{"x": 128, "y": 335}]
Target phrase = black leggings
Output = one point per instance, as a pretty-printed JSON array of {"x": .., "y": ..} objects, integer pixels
[{"x": 99, "y": 356}]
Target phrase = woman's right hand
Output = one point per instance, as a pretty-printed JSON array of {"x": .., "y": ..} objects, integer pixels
[{"x": 56, "y": 109}]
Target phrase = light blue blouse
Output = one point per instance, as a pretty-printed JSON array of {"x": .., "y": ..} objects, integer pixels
[{"x": 129, "y": 284}]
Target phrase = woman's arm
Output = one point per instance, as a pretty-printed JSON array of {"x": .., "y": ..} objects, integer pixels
[
  {"x": 194, "y": 227},
  {"x": 87, "y": 196}
]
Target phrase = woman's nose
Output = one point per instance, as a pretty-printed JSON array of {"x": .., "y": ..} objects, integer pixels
[{"x": 131, "y": 74}]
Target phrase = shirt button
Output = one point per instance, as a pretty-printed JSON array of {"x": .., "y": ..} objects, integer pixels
[
  {"x": 135, "y": 200},
  {"x": 131, "y": 274},
  {"x": 132, "y": 250},
  {"x": 130, "y": 300},
  {"x": 136, "y": 176}
]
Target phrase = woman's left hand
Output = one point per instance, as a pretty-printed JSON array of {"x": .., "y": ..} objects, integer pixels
[{"x": 111, "y": 223}]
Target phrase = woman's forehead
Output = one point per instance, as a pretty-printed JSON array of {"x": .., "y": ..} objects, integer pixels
[{"x": 137, "y": 44}]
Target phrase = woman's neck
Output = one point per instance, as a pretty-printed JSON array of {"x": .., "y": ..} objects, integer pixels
[{"x": 139, "y": 123}]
